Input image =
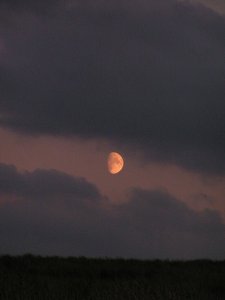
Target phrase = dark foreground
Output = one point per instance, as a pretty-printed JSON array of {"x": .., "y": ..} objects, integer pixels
[{"x": 30, "y": 277}]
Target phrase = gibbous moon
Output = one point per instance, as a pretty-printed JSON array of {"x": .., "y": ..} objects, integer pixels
[{"x": 115, "y": 163}]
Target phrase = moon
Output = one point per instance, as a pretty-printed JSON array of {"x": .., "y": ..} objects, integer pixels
[{"x": 115, "y": 163}]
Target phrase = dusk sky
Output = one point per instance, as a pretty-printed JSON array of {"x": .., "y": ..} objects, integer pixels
[{"x": 82, "y": 78}]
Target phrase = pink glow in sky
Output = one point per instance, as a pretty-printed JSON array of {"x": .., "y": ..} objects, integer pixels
[{"x": 89, "y": 159}]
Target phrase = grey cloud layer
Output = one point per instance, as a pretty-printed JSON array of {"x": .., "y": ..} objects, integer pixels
[
  {"x": 152, "y": 224},
  {"x": 147, "y": 73},
  {"x": 217, "y": 5},
  {"x": 41, "y": 6},
  {"x": 44, "y": 183}
]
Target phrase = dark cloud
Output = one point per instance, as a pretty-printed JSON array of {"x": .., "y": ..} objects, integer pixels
[
  {"x": 44, "y": 183},
  {"x": 152, "y": 224},
  {"x": 218, "y": 5},
  {"x": 41, "y": 6},
  {"x": 146, "y": 73}
]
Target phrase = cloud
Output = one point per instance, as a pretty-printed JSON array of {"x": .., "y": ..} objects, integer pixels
[
  {"x": 75, "y": 219},
  {"x": 217, "y": 5},
  {"x": 147, "y": 74},
  {"x": 39, "y": 7},
  {"x": 44, "y": 183}
]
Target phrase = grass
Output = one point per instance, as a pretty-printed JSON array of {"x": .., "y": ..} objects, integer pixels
[{"x": 34, "y": 277}]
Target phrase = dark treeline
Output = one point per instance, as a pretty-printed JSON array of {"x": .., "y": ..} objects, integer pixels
[{"x": 36, "y": 277}]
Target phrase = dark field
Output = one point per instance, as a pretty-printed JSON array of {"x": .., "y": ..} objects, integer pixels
[{"x": 31, "y": 277}]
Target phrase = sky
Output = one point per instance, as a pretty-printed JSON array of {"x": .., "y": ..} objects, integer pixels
[{"x": 80, "y": 79}]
